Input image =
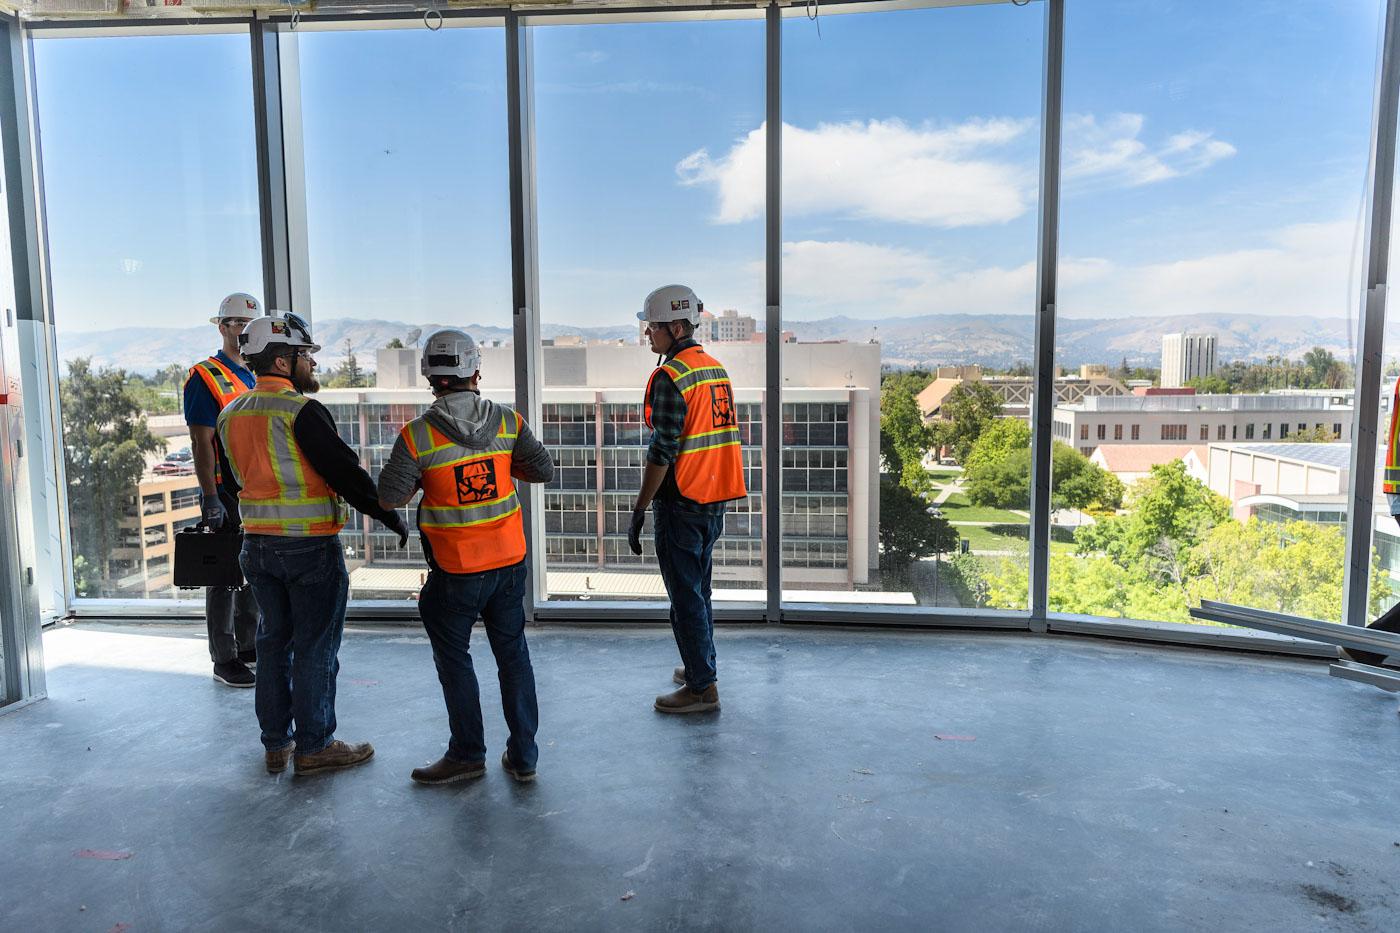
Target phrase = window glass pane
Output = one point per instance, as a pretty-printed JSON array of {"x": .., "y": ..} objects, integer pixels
[
  {"x": 1208, "y": 263},
  {"x": 629, "y": 134},
  {"x": 910, "y": 153},
  {"x": 408, "y": 227},
  {"x": 150, "y": 187}
]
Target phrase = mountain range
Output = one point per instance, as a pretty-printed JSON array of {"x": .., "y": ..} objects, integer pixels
[{"x": 997, "y": 340}]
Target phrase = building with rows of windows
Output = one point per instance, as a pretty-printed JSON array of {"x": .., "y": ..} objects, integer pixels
[
  {"x": 1201, "y": 419},
  {"x": 591, "y": 421}
]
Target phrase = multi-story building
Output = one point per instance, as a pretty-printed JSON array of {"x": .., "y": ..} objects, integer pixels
[
  {"x": 591, "y": 420},
  {"x": 1186, "y": 357},
  {"x": 141, "y": 563},
  {"x": 1194, "y": 419},
  {"x": 729, "y": 326},
  {"x": 1017, "y": 392}
]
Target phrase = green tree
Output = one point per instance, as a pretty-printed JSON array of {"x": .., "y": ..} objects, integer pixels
[
  {"x": 904, "y": 438},
  {"x": 966, "y": 412},
  {"x": 105, "y": 444},
  {"x": 1295, "y": 567},
  {"x": 907, "y": 531},
  {"x": 998, "y": 472},
  {"x": 1215, "y": 384},
  {"x": 395, "y": 344},
  {"x": 1317, "y": 434},
  {"x": 348, "y": 375}
]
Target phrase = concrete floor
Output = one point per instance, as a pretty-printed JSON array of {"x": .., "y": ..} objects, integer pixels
[{"x": 1080, "y": 785}]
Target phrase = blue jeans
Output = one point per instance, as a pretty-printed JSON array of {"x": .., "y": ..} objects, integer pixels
[
  {"x": 685, "y": 541},
  {"x": 301, "y": 586},
  {"x": 450, "y": 604}
]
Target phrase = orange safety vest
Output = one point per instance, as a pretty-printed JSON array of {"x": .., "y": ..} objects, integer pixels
[
  {"x": 222, "y": 383},
  {"x": 710, "y": 464},
  {"x": 1391, "y": 478},
  {"x": 281, "y": 492},
  {"x": 470, "y": 514}
]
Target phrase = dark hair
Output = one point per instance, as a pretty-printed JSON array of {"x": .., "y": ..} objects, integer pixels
[
  {"x": 449, "y": 384},
  {"x": 265, "y": 362}
]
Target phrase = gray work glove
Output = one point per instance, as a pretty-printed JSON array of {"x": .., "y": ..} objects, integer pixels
[
  {"x": 634, "y": 533},
  {"x": 397, "y": 526},
  {"x": 212, "y": 511}
]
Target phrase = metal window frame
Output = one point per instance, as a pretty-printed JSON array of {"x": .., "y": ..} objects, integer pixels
[
  {"x": 1360, "y": 533},
  {"x": 282, "y": 203}
]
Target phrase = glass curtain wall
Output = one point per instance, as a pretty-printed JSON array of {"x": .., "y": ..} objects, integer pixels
[
  {"x": 1214, "y": 166},
  {"x": 910, "y": 184},
  {"x": 630, "y": 119},
  {"x": 408, "y": 230},
  {"x": 150, "y": 184}
]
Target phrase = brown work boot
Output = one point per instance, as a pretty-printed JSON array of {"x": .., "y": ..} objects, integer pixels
[
  {"x": 686, "y": 700},
  {"x": 334, "y": 756},
  {"x": 678, "y": 676},
  {"x": 277, "y": 758},
  {"x": 447, "y": 771}
]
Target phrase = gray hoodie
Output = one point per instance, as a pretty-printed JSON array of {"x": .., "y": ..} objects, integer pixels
[{"x": 472, "y": 421}]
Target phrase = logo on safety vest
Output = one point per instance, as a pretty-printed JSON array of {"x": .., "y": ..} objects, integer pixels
[
  {"x": 722, "y": 405},
  {"x": 476, "y": 481}
]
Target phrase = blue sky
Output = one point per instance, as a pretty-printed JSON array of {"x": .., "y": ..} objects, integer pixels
[{"x": 1214, "y": 158}]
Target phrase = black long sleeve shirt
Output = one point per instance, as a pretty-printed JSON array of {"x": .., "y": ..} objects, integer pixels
[{"x": 315, "y": 434}]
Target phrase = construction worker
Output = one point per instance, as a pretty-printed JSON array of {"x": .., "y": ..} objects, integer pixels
[
  {"x": 464, "y": 453},
  {"x": 230, "y": 615},
  {"x": 294, "y": 475},
  {"x": 1389, "y": 620},
  {"x": 693, "y": 467}
]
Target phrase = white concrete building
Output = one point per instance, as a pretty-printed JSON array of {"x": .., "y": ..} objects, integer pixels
[
  {"x": 1186, "y": 357},
  {"x": 591, "y": 419},
  {"x": 1200, "y": 419}
]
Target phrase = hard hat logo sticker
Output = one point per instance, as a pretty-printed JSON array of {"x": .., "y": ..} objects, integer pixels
[
  {"x": 680, "y": 304},
  {"x": 476, "y": 481},
  {"x": 722, "y": 405}
]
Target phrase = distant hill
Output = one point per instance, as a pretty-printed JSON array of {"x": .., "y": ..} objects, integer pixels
[{"x": 927, "y": 340}]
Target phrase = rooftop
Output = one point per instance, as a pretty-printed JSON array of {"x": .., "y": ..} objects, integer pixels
[{"x": 1337, "y": 456}]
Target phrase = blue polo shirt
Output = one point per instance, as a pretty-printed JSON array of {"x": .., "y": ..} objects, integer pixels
[{"x": 200, "y": 404}]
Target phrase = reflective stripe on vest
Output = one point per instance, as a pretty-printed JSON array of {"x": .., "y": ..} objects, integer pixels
[
  {"x": 281, "y": 493},
  {"x": 223, "y": 384},
  {"x": 1391, "y": 478},
  {"x": 710, "y": 464},
  {"x": 470, "y": 514}
]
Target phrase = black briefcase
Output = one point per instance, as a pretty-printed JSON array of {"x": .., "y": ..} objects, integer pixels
[{"x": 205, "y": 558}]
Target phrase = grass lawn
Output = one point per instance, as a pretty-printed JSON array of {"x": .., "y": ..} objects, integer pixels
[
  {"x": 944, "y": 476},
  {"x": 984, "y": 538},
  {"x": 958, "y": 509}
]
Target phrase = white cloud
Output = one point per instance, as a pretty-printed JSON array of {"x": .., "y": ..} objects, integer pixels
[
  {"x": 592, "y": 56},
  {"x": 936, "y": 176},
  {"x": 1111, "y": 151},
  {"x": 879, "y": 170},
  {"x": 1301, "y": 270}
]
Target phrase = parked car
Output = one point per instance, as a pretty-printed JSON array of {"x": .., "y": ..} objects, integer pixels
[
  {"x": 935, "y": 511},
  {"x": 173, "y": 468},
  {"x": 183, "y": 455}
]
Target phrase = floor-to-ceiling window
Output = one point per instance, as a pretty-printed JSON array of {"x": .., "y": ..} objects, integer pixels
[
  {"x": 631, "y": 120},
  {"x": 150, "y": 185},
  {"x": 1214, "y": 166},
  {"x": 407, "y": 230},
  {"x": 909, "y": 189}
]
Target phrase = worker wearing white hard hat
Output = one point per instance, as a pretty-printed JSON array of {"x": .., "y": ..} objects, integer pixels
[
  {"x": 295, "y": 477},
  {"x": 231, "y": 616},
  {"x": 466, "y": 453},
  {"x": 694, "y": 467}
]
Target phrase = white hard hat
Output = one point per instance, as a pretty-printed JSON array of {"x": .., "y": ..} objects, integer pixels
[
  {"x": 277, "y": 329},
  {"x": 671, "y": 303},
  {"x": 450, "y": 352},
  {"x": 239, "y": 304}
]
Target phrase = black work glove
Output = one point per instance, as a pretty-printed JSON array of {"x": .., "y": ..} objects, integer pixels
[
  {"x": 212, "y": 511},
  {"x": 398, "y": 527},
  {"x": 634, "y": 533}
]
